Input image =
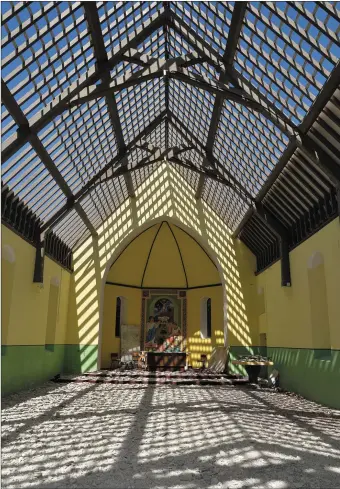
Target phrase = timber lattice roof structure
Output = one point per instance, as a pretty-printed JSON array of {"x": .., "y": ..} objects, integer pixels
[{"x": 242, "y": 98}]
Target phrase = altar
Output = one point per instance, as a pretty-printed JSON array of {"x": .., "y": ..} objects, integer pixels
[{"x": 166, "y": 360}]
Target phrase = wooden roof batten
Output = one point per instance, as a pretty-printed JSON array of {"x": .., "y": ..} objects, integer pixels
[{"x": 237, "y": 122}]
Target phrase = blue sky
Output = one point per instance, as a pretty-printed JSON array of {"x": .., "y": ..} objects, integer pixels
[{"x": 286, "y": 66}]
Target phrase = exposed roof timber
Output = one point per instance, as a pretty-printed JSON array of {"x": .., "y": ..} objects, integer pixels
[
  {"x": 278, "y": 229},
  {"x": 205, "y": 50},
  {"x": 239, "y": 12},
  {"x": 166, "y": 77},
  {"x": 321, "y": 158},
  {"x": 210, "y": 160},
  {"x": 171, "y": 68},
  {"x": 282, "y": 233},
  {"x": 21, "y": 120},
  {"x": 58, "y": 106},
  {"x": 114, "y": 163},
  {"x": 228, "y": 58},
  {"x": 102, "y": 61},
  {"x": 152, "y": 149},
  {"x": 200, "y": 45},
  {"x": 214, "y": 175},
  {"x": 285, "y": 157},
  {"x": 138, "y": 59},
  {"x": 95, "y": 30},
  {"x": 244, "y": 221},
  {"x": 280, "y": 120},
  {"x": 324, "y": 96},
  {"x": 171, "y": 155}
]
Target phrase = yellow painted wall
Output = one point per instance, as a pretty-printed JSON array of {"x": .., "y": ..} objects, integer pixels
[
  {"x": 163, "y": 256},
  {"x": 25, "y": 304},
  {"x": 175, "y": 200},
  {"x": 244, "y": 306},
  {"x": 7, "y": 281},
  {"x": 288, "y": 310},
  {"x": 195, "y": 343},
  {"x": 52, "y": 315},
  {"x": 129, "y": 266},
  {"x": 133, "y": 311},
  {"x": 83, "y": 309},
  {"x": 169, "y": 271},
  {"x": 198, "y": 266}
]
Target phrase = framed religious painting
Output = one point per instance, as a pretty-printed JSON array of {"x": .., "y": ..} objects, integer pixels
[{"x": 163, "y": 320}]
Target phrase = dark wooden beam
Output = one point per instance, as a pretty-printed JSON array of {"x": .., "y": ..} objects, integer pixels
[
  {"x": 210, "y": 161},
  {"x": 58, "y": 106},
  {"x": 21, "y": 120},
  {"x": 283, "y": 234},
  {"x": 96, "y": 35},
  {"x": 321, "y": 100},
  {"x": 167, "y": 69},
  {"x": 228, "y": 58},
  {"x": 113, "y": 164},
  {"x": 324, "y": 160},
  {"x": 38, "y": 274},
  {"x": 237, "y": 18},
  {"x": 244, "y": 221},
  {"x": 285, "y": 157}
]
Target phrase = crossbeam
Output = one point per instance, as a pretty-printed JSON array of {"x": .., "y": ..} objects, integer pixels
[
  {"x": 228, "y": 58},
  {"x": 210, "y": 161},
  {"x": 112, "y": 164},
  {"x": 171, "y": 68},
  {"x": 57, "y": 107},
  {"x": 171, "y": 155},
  {"x": 21, "y": 120},
  {"x": 96, "y": 35}
]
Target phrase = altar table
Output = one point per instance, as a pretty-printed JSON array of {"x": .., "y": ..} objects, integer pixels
[{"x": 166, "y": 360}]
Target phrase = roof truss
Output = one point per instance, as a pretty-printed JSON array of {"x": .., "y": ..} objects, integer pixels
[{"x": 250, "y": 91}]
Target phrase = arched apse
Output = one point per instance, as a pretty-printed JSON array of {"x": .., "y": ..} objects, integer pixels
[
  {"x": 161, "y": 196},
  {"x": 163, "y": 222}
]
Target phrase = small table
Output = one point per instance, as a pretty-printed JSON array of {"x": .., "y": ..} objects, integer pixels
[{"x": 252, "y": 368}]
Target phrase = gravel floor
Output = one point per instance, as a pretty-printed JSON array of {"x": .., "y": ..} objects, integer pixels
[{"x": 127, "y": 436}]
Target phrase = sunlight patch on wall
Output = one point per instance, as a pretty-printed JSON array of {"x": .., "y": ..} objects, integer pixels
[{"x": 163, "y": 194}]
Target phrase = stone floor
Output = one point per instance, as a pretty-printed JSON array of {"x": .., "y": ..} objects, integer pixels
[{"x": 130, "y": 436}]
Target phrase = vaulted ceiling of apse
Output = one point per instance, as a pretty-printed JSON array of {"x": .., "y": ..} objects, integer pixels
[{"x": 242, "y": 99}]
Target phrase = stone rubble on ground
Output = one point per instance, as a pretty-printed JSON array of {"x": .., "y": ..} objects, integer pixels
[{"x": 81, "y": 435}]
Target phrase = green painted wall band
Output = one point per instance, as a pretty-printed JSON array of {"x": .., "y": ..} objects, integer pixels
[{"x": 300, "y": 370}]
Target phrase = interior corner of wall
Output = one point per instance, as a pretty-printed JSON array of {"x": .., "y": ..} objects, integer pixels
[{"x": 263, "y": 326}]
